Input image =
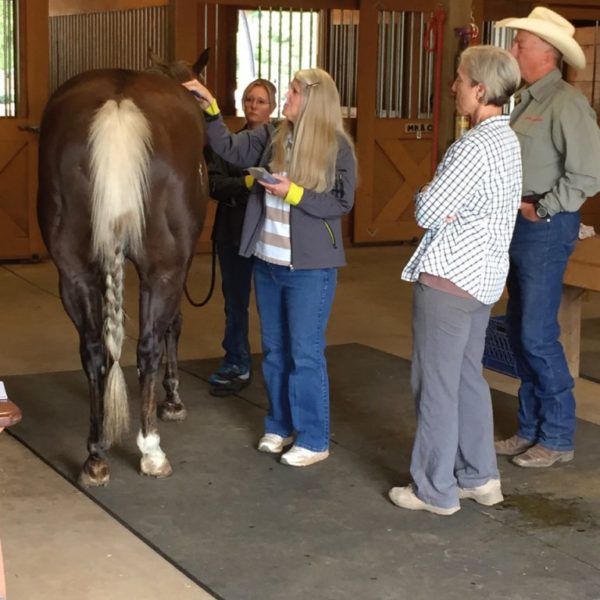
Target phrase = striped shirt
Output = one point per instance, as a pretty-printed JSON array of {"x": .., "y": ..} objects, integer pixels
[
  {"x": 469, "y": 210},
  {"x": 274, "y": 245}
]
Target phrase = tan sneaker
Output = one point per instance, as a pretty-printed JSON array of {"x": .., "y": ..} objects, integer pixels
[
  {"x": 488, "y": 494},
  {"x": 405, "y": 497},
  {"x": 297, "y": 456},
  {"x": 10, "y": 413},
  {"x": 273, "y": 443},
  {"x": 512, "y": 446},
  {"x": 538, "y": 457}
]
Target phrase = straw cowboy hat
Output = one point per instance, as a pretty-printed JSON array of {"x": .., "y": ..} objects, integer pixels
[{"x": 552, "y": 28}]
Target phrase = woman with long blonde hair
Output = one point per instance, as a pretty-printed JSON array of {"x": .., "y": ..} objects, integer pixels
[{"x": 292, "y": 228}]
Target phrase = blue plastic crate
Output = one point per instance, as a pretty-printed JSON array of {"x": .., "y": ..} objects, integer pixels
[{"x": 498, "y": 354}]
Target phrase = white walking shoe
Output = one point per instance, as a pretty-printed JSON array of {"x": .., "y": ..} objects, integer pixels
[
  {"x": 488, "y": 494},
  {"x": 273, "y": 443},
  {"x": 302, "y": 457},
  {"x": 405, "y": 497}
]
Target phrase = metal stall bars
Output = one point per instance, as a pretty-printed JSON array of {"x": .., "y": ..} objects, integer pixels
[
  {"x": 342, "y": 57},
  {"x": 8, "y": 58},
  {"x": 119, "y": 38},
  {"x": 400, "y": 67},
  {"x": 274, "y": 43}
]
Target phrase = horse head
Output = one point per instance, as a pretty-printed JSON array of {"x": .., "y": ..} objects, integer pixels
[{"x": 179, "y": 70}]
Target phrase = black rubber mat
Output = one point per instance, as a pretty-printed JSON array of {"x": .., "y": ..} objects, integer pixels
[{"x": 245, "y": 527}]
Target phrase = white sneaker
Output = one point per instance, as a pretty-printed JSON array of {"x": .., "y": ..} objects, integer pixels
[
  {"x": 302, "y": 457},
  {"x": 273, "y": 443},
  {"x": 488, "y": 494},
  {"x": 405, "y": 497}
]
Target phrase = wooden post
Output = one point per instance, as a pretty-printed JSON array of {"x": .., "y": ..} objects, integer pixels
[
  {"x": 185, "y": 30},
  {"x": 569, "y": 319},
  {"x": 458, "y": 14}
]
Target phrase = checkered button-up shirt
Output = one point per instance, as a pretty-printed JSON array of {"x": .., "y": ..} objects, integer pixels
[{"x": 469, "y": 210}]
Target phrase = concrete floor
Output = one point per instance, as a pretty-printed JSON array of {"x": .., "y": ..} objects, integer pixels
[{"x": 57, "y": 542}]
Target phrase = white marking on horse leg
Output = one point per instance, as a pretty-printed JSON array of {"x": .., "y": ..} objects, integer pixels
[
  {"x": 201, "y": 171},
  {"x": 154, "y": 461}
]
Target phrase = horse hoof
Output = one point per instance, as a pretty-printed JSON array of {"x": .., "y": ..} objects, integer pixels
[
  {"x": 149, "y": 467},
  {"x": 171, "y": 411},
  {"x": 95, "y": 473}
]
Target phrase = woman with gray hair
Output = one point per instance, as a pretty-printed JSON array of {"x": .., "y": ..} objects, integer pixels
[{"x": 459, "y": 269}]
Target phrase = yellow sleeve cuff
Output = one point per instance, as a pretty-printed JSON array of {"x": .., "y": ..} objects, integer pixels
[
  {"x": 213, "y": 109},
  {"x": 294, "y": 194},
  {"x": 249, "y": 181}
]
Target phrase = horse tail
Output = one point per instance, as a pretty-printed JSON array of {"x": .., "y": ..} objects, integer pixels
[{"x": 120, "y": 145}]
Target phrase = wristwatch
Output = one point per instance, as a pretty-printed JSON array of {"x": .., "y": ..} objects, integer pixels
[{"x": 541, "y": 211}]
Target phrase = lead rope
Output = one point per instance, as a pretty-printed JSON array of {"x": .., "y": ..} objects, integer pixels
[{"x": 212, "y": 281}]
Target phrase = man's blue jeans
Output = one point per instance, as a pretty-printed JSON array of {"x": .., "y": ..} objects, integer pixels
[
  {"x": 236, "y": 277},
  {"x": 294, "y": 308},
  {"x": 539, "y": 252}
]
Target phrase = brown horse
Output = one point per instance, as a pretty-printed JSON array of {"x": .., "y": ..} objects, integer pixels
[{"x": 122, "y": 175}]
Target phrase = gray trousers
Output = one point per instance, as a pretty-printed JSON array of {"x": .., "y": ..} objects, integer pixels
[{"x": 454, "y": 442}]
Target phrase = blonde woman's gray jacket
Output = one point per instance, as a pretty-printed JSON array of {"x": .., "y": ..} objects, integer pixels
[{"x": 315, "y": 222}]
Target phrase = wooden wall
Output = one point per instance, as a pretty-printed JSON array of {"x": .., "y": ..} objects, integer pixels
[
  {"x": 187, "y": 23},
  {"x": 76, "y": 7}
]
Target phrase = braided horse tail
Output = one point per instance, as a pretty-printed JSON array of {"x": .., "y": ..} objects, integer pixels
[{"x": 120, "y": 145}]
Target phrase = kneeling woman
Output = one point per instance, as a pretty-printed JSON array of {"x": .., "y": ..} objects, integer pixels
[
  {"x": 293, "y": 229},
  {"x": 459, "y": 269}
]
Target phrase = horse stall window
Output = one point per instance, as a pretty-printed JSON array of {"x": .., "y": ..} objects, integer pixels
[
  {"x": 404, "y": 69},
  {"x": 119, "y": 38},
  {"x": 8, "y": 58},
  {"x": 503, "y": 38},
  {"x": 497, "y": 36},
  {"x": 273, "y": 43},
  {"x": 342, "y": 56}
]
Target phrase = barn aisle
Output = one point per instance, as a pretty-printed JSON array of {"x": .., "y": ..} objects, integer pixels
[{"x": 59, "y": 543}]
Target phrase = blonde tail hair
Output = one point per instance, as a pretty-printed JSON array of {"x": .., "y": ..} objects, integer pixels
[
  {"x": 315, "y": 134},
  {"x": 120, "y": 145}
]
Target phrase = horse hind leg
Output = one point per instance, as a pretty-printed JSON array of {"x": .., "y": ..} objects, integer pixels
[
  {"x": 82, "y": 300},
  {"x": 95, "y": 471},
  {"x": 159, "y": 310},
  {"x": 154, "y": 461},
  {"x": 172, "y": 408}
]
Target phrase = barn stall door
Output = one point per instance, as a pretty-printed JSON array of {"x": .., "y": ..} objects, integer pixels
[
  {"x": 394, "y": 120},
  {"x": 24, "y": 64},
  {"x": 79, "y": 35}
]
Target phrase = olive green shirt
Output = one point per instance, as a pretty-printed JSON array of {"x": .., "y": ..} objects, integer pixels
[{"x": 560, "y": 143}]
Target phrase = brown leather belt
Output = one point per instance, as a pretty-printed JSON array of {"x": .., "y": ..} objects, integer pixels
[{"x": 532, "y": 198}]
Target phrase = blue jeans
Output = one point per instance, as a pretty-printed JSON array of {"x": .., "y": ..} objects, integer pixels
[
  {"x": 294, "y": 308},
  {"x": 539, "y": 252},
  {"x": 236, "y": 277}
]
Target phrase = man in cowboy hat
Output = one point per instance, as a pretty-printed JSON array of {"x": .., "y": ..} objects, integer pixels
[{"x": 560, "y": 146}]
